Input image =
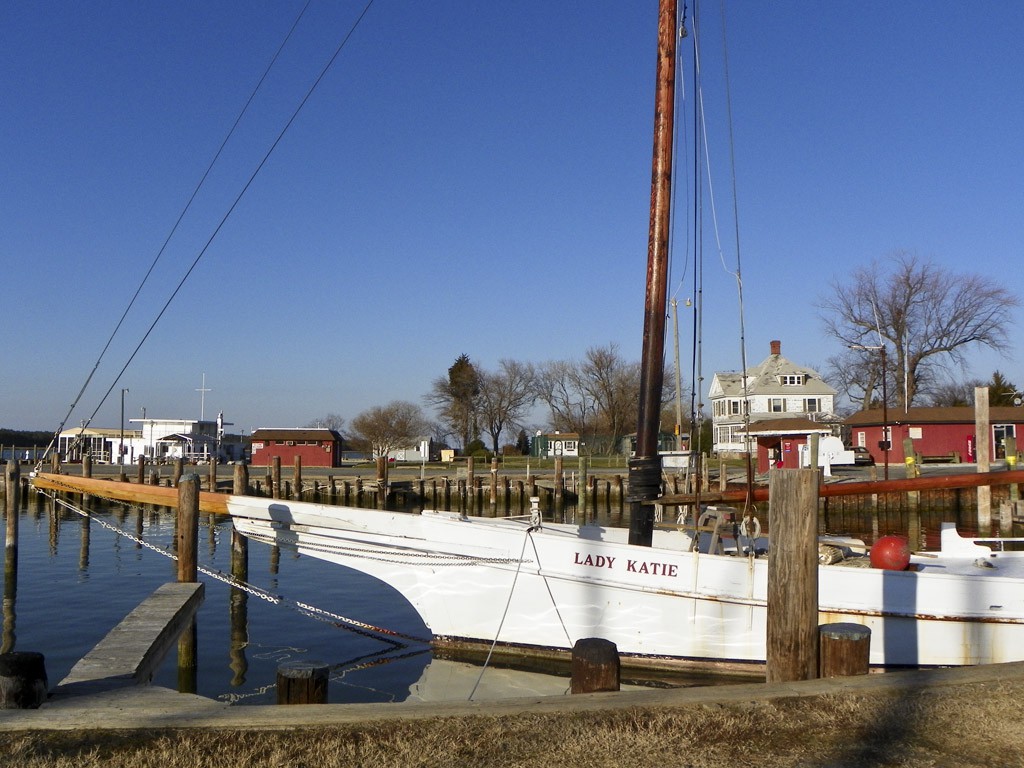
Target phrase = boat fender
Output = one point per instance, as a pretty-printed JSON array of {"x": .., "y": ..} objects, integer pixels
[
  {"x": 891, "y": 553},
  {"x": 753, "y": 530}
]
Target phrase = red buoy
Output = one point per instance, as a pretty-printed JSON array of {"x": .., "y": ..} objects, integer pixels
[{"x": 891, "y": 553}]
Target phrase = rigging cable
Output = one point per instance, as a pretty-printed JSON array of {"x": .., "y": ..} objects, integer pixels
[
  {"x": 748, "y": 503},
  {"x": 202, "y": 252},
  {"x": 167, "y": 240}
]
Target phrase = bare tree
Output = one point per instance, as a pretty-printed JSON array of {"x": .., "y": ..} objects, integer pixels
[
  {"x": 390, "y": 427},
  {"x": 596, "y": 397},
  {"x": 926, "y": 317},
  {"x": 330, "y": 421},
  {"x": 505, "y": 396}
]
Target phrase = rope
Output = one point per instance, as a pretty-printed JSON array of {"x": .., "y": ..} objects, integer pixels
[{"x": 504, "y": 615}]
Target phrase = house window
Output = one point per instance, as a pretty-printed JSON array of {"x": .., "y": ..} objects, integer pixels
[
  {"x": 793, "y": 380},
  {"x": 812, "y": 404},
  {"x": 777, "y": 404}
]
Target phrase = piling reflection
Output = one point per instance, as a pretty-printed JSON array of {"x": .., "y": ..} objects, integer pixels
[{"x": 238, "y": 609}]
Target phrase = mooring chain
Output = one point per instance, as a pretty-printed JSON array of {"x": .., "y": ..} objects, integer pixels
[{"x": 360, "y": 627}]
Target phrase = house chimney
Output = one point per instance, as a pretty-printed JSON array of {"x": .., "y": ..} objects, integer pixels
[{"x": 776, "y": 347}]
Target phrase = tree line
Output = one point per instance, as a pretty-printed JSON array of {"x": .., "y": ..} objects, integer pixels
[{"x": 479, "y": 410}]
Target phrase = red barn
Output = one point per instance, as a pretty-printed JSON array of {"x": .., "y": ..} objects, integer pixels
[
  {"x": 935, "y": 432},
  {"x": 315, "y": 447}
]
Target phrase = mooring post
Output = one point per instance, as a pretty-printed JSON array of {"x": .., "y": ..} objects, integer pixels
[
  {"x": 559, "y": 482},
  {"x": 240, "y": 481},
  {"x": 297, "y": 476},
  {"x": 583, "y": 484},
  {"x": 275, "y": 477},
  {"x": 188, "y": 527},
  {"x": 23, "y": 682},
  {"x": 595, "y": 666},
  {"x": 981, "y": 430},
  {"x": 792, "y": 631},
  {"x": 844, "y": 649},
  {"x": 1010, "y": 451},
  {"x": 141, "y": 474},
  {"x": 302, "y": 682},
  {"x": 211, "y": 475},
  {"x": 12, "y": 500},
  {"x": 382, "y": 481},
  {"x": 494, "y": 482},
  {"x": 188, "y": 657}
]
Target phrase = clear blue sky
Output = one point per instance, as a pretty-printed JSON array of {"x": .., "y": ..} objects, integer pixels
[{"x": 470, "y": 177}]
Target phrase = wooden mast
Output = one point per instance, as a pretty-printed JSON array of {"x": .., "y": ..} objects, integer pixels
[{"x": 645, "y": 467}]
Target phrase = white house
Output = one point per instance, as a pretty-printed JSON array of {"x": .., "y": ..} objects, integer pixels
[{"x": 776, "y": 388}]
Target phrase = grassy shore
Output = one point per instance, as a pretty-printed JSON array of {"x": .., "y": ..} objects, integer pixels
[{"x": 975, "y": 724}]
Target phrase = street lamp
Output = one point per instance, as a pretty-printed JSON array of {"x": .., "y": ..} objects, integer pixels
[
  {"x": 885, "y": 442},
  {"x": 120, "y": 448}
]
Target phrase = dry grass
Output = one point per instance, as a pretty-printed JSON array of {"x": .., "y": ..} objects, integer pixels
[{"x": 974, "y": 725}]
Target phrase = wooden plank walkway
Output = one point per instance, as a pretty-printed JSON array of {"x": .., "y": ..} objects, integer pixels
[{"x": 133, "y": 650}]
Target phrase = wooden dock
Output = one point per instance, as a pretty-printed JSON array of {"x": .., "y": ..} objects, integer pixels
[{"x": 132, "y": 651}]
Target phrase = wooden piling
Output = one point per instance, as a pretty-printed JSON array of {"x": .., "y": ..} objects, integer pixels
[
  {"x": 12, "y": 500},
  {"x": 240, "y": 479},
  {"x": 382, "y": 481},
  {"x": 493, "y": 500},
  {"x": 297, "y": 477},
  {"x": 981, "y": 430},
  {"x": 141, "y": 474},
  {"x": 595, "y": 666},
  {"x": 792, "y": 632},
  {"x": 188, "y": 527},
  {"x": 559, "y": 482},
  {"x": 275, "y": 477},
  {"x": 844, "y": 649},
  {"x": 211, "y": 475},
  {"x": 188, "y": 658},
  {"x": 23, "y": 682},
  {"x": 302, "y": 682}
]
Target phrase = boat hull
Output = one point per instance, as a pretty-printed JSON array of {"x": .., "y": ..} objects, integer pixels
[{"x": 501, "y": 579}]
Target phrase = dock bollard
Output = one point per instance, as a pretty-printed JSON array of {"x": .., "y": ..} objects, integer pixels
[
  {"x": 844, "y": 649},
  {"x": 595, "y": 666},
  {"x": 302, "y": 682},
  {"x": 23, "y": 683}
]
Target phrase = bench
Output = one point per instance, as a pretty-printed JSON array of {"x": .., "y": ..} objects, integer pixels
[{"x": 953, "y": 457}]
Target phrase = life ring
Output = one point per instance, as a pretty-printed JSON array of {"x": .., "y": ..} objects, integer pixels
[{"x": 756, "y": 526}]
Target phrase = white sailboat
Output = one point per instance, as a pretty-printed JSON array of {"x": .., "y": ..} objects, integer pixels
[
  {"x": 670, "y": 594},
  {"x": 657, "y": 594}
]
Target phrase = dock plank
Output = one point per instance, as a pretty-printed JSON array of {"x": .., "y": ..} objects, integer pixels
[{"x": 133, "y": 650}]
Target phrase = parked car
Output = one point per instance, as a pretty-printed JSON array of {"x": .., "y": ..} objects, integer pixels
[{"x": 862, "y": 456}]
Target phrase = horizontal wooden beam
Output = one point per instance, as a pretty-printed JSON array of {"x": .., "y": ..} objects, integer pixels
[
  {"x": 865, "y": 487},
  {"x": 157, "y": 495}
]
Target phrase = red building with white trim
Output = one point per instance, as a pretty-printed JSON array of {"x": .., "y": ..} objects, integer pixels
[
  {"x": 935, "y": 432},
  {"x": 315, "y": 447}
]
